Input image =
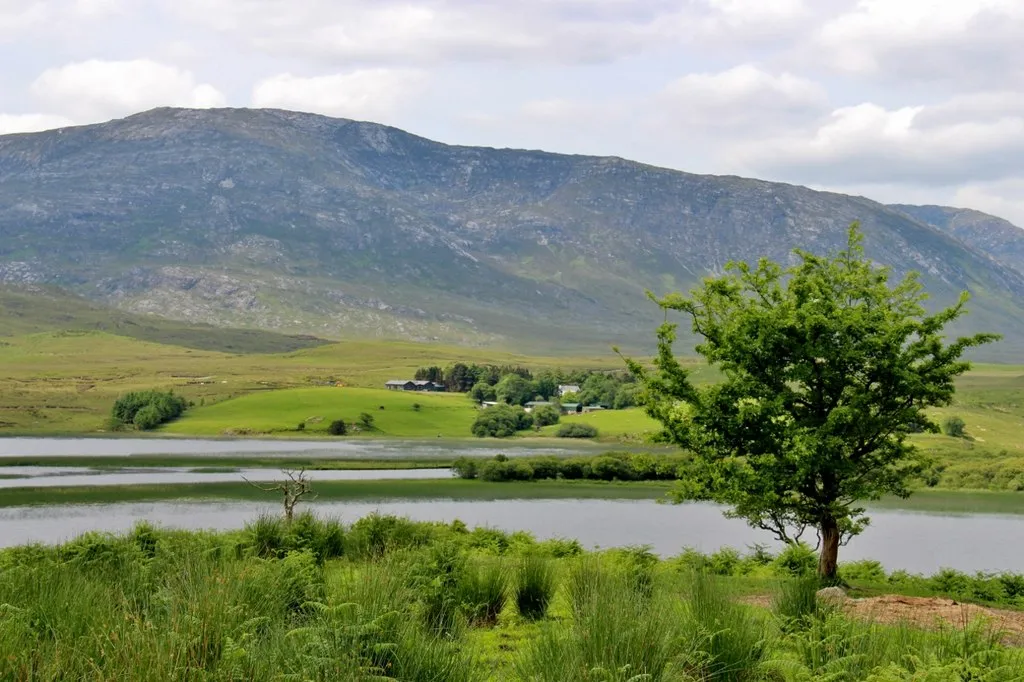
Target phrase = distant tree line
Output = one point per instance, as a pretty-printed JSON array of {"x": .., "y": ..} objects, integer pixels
[
  {"x": 516, "y": 385},
  {"x": 612, "y": 466}
]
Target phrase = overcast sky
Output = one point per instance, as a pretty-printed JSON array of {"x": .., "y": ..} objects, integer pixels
[{"x": 919, "y": 101}]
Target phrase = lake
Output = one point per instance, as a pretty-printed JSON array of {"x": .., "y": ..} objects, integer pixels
[
  {"x": 338, "y": 449},
  {"x": 53, "y": 477},
  {"x": 916, "y": 542}
]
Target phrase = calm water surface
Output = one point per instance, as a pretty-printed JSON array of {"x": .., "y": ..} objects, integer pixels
[
  {"x": 47, "y": 477},
  {"x": 916, "y": 542},
  {"x": 350, "y": 449}
]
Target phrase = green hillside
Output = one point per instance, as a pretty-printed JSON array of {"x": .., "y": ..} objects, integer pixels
[{"x": 395, "y": 413}]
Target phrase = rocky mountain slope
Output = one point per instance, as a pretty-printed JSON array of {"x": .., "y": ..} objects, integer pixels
[
  {"x": 302, "y": 223},
  {"x": 999, "y": 238}
]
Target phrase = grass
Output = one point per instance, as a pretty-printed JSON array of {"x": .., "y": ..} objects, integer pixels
[
  {"x": 319, "y": 600},
  {"x": 404, "y": 415},
  {"x": 60, "y": 383},
  {"x": 936, "y": 501},
  {"x": 24, "y": 313},
  {"x": 338, "y": 490}
]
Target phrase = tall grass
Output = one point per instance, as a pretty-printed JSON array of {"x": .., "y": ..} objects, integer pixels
[
  {"x": 617, "y": 633},
  {"x": 536, "y": 582},
  {"x": 729, "y": 642},
  {"x": 426, "y": 602}
]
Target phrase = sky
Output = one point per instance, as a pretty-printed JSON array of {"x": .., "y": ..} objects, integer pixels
[{"x": 913, "y": 101}]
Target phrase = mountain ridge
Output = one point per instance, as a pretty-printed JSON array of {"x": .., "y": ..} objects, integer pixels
[{"x": 307, "y": 224}]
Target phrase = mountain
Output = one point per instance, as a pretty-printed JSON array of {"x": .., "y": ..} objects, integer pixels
[
  {"x": 302, "y": 223},
  {"x": 32, "y": 309},
  {"x": 999, "y": 238}
]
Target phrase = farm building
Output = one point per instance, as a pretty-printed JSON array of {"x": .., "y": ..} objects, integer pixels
[
  {"x": 412, "y": 385},
  {"x": 568, "y": 388}
]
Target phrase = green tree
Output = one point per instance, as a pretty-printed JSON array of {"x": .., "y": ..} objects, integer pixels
[
  {"x": 337, "y": 427},
  {"x": 514, "y": 389},
  {"x": 546, "y": 415},
  {"x": 483, "y": 392},
  {"x": 501, "y": 421},
  {"x": 546, "y": 384},
  {"x": 827, "y": 369},
  {"x": 366, "y": 420},
  {"x": 599, "y": 389},
  {"x": 459, "y": 378},
  {"x": 435, "y": 374}
]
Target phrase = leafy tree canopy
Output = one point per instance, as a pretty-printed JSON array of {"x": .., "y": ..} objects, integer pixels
[{"x": 827, "y": 369}]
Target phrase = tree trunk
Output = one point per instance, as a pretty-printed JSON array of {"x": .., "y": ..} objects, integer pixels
[{"x": 828, "y": 560}]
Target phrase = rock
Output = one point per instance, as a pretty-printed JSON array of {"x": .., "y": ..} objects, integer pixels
[{"x": 832, "y": 596}]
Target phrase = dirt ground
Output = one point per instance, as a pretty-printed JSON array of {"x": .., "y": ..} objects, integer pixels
[
  {"x": 927, "y": 612},
  {"x": 935, "y": 611}
]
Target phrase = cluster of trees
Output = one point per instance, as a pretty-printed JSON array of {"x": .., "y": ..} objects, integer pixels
[
  {"x": 145, "y": 410},
  {"x": 502, "y": 421},
  {"x": 613, "y": 466},
  {"x": 517, "y": 385}
]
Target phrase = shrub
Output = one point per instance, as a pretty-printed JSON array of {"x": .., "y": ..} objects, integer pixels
[
  {"x": 610, "y": 468},
  {"x": 374, "y": 535},
  {"x": 366, "y": 420},
  {"x": 535, "y": 586},
  {"x": 416, "y": 407},
  {"x": 954, "y": 426},
  {"x": 147, "y": 409},
  {"x": 577, "y": 430},
  {"x": 266, "y": 536},
  {"x": 337, "y": 427},
  {"x": 501, "y": 421},
  {"x": 796, "y": 560},
  {"x": 464, "y": 467},
  {"x": 546, "y": 415},
  {"x": 496, "y": 472},
  {"x": 439, "y": 579},
  {"x": 301, "y": 426}
]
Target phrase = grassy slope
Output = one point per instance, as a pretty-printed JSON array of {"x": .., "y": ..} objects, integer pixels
[
  {"x": 439, "y": 414},
  {"x": 23, "y": 312},
  {"x": 65, "y": 382}
]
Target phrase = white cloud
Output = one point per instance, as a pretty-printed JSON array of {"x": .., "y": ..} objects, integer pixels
[
  {"x": 968, "y": 138},
  {"x": 374, "y": 94},
  {"x": 1004, "y": 199},
  {"x": 30, "y": 123},
  {"x": 18, "y": 15},
  {"x": 95, "y": 89},
  {"x": 971, "y": 41},
  {"x": 744, "y": 96},
  {"x": 96, "y": 8},
  {"x": 528, "y": 31}
]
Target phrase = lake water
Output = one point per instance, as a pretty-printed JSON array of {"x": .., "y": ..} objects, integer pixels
[
  {"x": 917, "y": 542},
  {"x": 50, "y": 477},
  {"x": 348, "y": 449}
]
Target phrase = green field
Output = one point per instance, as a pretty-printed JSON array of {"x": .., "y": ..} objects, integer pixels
[
  {"x": 395, "y": 413},
  {"x": 65, "y": 382}
]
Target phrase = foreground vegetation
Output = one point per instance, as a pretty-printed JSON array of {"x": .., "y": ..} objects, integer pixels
[{"x": 386, "y": 598}]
